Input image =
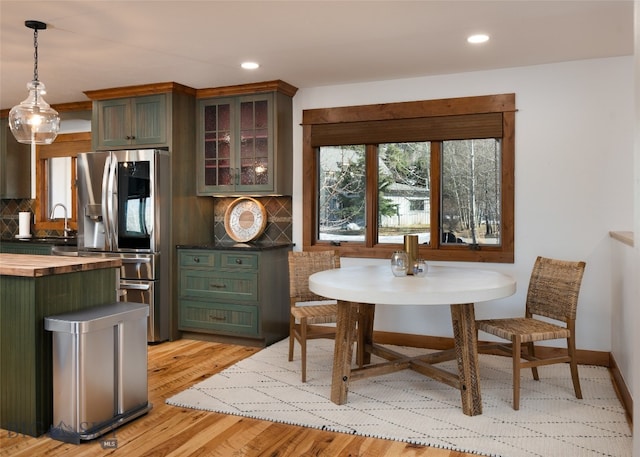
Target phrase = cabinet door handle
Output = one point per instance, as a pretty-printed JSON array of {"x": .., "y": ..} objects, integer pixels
[
  {"x": 216, "y": 318},
  {"x": 217, "y": 286},
  {"x": 239, "y": 261},
  {"x": 196, "y": 260}
]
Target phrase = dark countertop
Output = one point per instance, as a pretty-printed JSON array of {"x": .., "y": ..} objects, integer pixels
[
  {"x": 54, "y": 240},
  {"x": 256, "y": 246}
]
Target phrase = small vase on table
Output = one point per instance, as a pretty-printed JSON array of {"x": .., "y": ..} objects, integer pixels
[{"x": 399, "y": 263}]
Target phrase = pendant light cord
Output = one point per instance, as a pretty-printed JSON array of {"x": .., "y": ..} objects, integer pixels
[{"x": 35, "y": 54}]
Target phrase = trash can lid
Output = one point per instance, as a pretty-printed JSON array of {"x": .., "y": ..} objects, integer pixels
[{"x": 96, "y": 318}]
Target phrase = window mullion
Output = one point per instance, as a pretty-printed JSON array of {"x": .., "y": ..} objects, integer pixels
[
  {"x": 434, "y": 194},
  {"x": 372, "y": 195}
]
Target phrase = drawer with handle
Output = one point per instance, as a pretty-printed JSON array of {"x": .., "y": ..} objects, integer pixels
[
  {"x": 238, "y": 260},
  {"x": 216, "y": 285},
  {"x": 197, "y": 258},
  {"x": 220, "y": 317}
]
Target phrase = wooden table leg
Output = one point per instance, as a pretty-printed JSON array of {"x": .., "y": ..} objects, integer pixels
[
  {"x": 365, "y": 333},
  {"x": 343, "y": 350},
  {"x": 466, "y": 346}
]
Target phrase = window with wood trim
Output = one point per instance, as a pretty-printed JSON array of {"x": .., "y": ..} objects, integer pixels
[
  {"x": 56, "y": 180},
  {"x": 439, "y": 169}
]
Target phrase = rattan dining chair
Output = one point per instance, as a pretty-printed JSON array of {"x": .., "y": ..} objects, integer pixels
[
  {"x": 553, "y": 293},
  {"x": 305, "y": 317}
]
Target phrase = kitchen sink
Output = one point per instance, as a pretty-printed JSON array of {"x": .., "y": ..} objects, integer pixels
[
  {"x": 60, "y": 245},
  {"x": 65, "y": 250}
]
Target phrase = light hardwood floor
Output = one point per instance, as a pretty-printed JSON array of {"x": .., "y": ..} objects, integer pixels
[{"x": 171, "y": 431}]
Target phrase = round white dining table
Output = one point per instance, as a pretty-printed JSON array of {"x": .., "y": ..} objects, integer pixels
[{"x": 358, "y": 289}]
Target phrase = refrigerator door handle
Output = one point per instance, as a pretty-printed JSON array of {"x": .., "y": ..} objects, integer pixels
[
  {"x": 110, "y": 195},
  {"x": 105, "y": 207}
]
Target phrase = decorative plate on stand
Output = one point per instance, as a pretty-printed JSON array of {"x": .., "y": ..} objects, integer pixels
[{"x": 245, "y": 219}]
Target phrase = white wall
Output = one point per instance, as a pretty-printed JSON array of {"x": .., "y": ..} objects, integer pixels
[
  {"x": 574, "y": 179},
  {"x": 623, "y": 308},
  {"x": 634, "y": 274}
]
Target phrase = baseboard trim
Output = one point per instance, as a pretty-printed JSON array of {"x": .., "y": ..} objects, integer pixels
[{"x": 621, "y": 388}]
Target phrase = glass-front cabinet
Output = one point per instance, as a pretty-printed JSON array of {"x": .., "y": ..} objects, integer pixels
[
  {"x": 237, "y": 151},
  {"x": 245, "y": 144}
]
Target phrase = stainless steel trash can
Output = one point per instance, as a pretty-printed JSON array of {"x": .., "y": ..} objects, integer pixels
[{"x": 99, "y": 369}]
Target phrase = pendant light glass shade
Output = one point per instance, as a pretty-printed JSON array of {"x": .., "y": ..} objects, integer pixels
[{"x": 33, "y": 120}]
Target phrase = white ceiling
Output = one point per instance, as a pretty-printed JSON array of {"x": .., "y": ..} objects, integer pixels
[{"x": 101, "y": 44}]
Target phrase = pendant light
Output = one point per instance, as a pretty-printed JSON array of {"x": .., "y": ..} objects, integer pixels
[{"x": 33, "y": 121}]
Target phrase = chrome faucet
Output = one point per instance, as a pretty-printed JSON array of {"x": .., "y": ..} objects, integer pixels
[{"x": 67, "y": 231}]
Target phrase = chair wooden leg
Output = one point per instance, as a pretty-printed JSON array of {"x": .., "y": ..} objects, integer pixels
[
  {"x": 516, "y": 373},
  {"x": 303, "y": 347},
  {"x": 532, "y": 352},
  {"x": 571, "y": 346},
  {"x": 292, "y": 336}
]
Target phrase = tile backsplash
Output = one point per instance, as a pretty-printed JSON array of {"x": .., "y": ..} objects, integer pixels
[
  {"x": 9, "y": 209},
  {"x": 278, "y": 229}
]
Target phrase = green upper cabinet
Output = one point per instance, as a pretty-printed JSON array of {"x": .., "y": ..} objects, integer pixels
[
  {"x": 157, "y": 115},
  {"x": 15, "y": 165},
  {"x": 245, "y": 143},
  {"x": 134, "y": 121}
]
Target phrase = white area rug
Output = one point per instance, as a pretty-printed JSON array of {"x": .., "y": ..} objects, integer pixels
[{"x": 407, "y": 406}]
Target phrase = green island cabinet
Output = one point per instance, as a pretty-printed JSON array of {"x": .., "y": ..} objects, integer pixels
[
  {"x": 245, "y": 139},
  {"x": 33, "y": 287},
  {"x": 239, "y": 296}
]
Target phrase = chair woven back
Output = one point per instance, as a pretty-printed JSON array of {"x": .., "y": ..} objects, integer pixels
[
  {"x": 304, "y": 264},
  {"x": 554, "y": 287}
]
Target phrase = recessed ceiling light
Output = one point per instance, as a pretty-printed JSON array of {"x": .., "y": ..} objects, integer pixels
[
  {"x": 249, "y": 65},
  {"x": 480, "y": 38}
]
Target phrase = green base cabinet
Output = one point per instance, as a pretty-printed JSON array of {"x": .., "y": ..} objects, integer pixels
[
  {"x": 25, "y": 247},
  {"x": 235, "y": 294}
]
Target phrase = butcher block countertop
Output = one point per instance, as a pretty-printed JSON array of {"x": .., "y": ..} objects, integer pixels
[{"x": 34, "y": 266}]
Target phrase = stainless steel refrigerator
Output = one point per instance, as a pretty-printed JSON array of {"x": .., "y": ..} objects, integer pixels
[{"x": 124, "y": 211}]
